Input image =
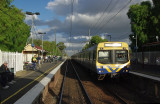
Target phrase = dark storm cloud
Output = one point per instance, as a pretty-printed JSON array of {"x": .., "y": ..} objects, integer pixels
[
  {"x": 96, "y": 15},
  {"x": 87, "y": 13}
]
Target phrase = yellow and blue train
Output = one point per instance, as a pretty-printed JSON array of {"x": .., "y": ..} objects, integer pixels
[{"x": 105, "y": 58}]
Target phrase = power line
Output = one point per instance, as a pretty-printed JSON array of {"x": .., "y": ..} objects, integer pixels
[
  {"x": 113, "y": 16},
  {"x": 35, "y": 29},
  {"x": 121, "y": 36},
  {"x": 71, "y": 27},
  {"x": 100, "y": 22},
  {"x": 92, "y": 26}
]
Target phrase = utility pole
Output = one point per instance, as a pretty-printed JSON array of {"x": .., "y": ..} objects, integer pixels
[
  {"x": 42, "y": 48},
  {"x": 89, "y": 36},
  {"x": 32, "y": 35},
  {"x": 42, "y": 43},
  {"x": 55, "y": 43},
  {"x": 136, "y": 49}
]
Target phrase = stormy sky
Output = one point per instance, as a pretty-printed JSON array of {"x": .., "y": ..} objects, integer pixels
[{"x": 101, "y": 17}]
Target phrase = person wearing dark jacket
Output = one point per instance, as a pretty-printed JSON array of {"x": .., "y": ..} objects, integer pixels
[
  {"x": 6, "y": 75},
  {"x": 3, "y": 77}
]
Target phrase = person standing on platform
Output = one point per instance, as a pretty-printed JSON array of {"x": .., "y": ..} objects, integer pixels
[{"x": 34, "y": 60}]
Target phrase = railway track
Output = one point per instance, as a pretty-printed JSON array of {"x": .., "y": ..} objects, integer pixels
[
  {"x": 100, "y": 92},
  {"x": 111, "y": 92},
  {"x": 72, "y": 89}
]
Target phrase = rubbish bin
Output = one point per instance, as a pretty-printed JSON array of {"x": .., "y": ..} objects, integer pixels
[{"x": 12, "y": 70}]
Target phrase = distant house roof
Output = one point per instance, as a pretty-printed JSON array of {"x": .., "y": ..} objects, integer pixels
[{"x": 38, "y": 47}]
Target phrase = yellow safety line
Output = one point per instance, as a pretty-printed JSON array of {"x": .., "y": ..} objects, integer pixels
[{"x": 26, "y": 85}]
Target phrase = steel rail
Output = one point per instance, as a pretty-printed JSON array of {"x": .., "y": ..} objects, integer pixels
[
  {"x": 89, "y": 100},
  {"x": 61, "y": 91},
  {"x": 116, "y": 96}
]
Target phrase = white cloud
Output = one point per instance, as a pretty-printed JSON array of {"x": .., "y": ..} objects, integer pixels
[
  {"x": 77, "y": 45},
  {"x": 88, "y": 14},
  {"x": 81, "y": 37},
  {"x": 61, "y": 7}
]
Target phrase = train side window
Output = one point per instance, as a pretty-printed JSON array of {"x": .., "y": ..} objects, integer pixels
[{"x": 94, "y": 55}]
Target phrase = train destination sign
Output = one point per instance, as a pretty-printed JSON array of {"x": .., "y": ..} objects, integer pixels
[{"x": 112, "y": 44}]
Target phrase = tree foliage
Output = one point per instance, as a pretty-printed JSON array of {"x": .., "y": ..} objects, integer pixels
[
  {"x": 51, "y": 47},
  {"x": 144, "y": 22},
  {"x": 94, "y": 40},
  {"x": 13, "y": 31},
  {"x": 61, "y": 46}
]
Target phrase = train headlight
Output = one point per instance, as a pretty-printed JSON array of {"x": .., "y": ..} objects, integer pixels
[{"x": 100, "y": 71}]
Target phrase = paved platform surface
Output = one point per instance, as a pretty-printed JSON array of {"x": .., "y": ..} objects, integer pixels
[
  {"x": 25, "y": 80},
  {"x": 152, "y": 70}
]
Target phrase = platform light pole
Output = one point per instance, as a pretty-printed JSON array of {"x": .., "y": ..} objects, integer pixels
[
  {"x": 136, "y": 48},
  {"x": 30, "y": 13},
  {"x": 42, "y": 43}
]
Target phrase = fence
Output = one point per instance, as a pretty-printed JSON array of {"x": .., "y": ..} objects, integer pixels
[
  {"x": 14, "y": 59},
  {"x": 150, "y": 58}
]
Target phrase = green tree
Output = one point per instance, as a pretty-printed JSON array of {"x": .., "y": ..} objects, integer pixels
[
  {"x": 155, "y": 19},
  {"x": 37, "y": 42},
  {"x": 13, "y": 31},
  {"x": 49, "y": 46},
  {"x": 85, "y": 47},
  {"x": 139, "y": 15},
  {"x": 61, "y": 46},
  {"x": 145, "y": 22},
  {"x": 94, "y": 40}
]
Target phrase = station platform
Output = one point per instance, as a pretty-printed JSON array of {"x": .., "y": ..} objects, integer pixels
[
  {"x": 152, "y": 70},
  {"x": 25, "y": 80}
]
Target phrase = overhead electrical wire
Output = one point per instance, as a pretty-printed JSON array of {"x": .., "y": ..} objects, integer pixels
[
  {"x": 35, "y": 29},
  {"x": 121, "y": 36},
  {"x": 93, "y": 25},
  {"x": 71, "y": 24},
  {"x": 106, "y": 16},
  {"x": 112, "y": 17}
]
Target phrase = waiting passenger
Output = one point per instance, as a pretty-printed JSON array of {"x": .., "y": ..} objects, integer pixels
[
  {"x": 6, "y": 75},
  {"x": 3, "y": 80}
]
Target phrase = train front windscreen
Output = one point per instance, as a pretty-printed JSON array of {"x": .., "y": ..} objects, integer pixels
[{"x": 113, "y": 56}]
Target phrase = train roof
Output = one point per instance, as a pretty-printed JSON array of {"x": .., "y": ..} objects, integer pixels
[{"x": 97, "y": 45}]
